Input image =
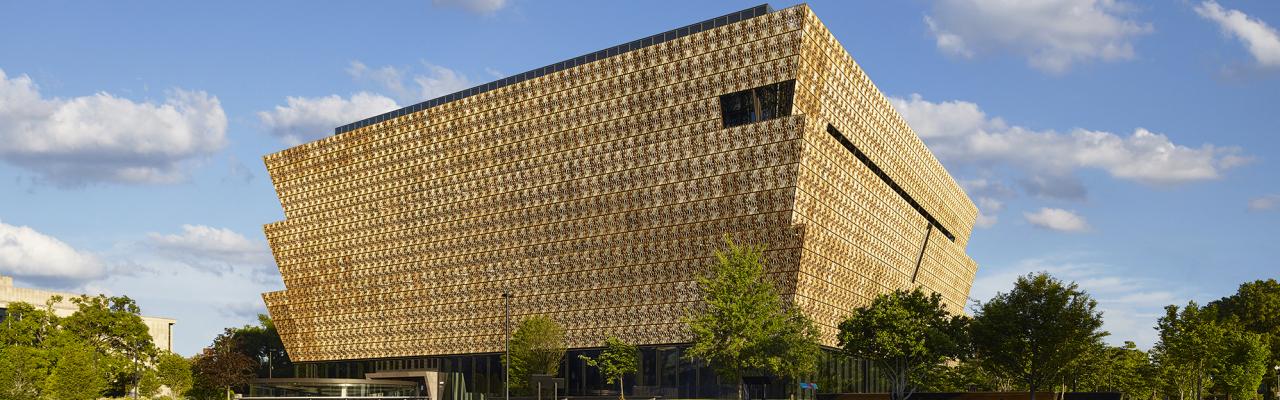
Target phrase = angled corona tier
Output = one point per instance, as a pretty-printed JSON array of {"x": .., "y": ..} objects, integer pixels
[{"x": 596, "y": 189}]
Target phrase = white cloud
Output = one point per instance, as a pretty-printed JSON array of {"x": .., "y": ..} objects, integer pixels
[
  {"x": 440, "y": 81},
  {"x": 961, "y": 134},
  {"x": 1265, "y": 203},
  {"x": 1262, "y": 40},
  {"x": 1130, "y": 305},
  {"x": 435, "y": 82},
  {"x": 305, "y": 119},
  {"x": 203, "y": 300},
  {"x": 1052, "y": 34},
  {"x": 988, "y": 195},
  {"x": 202, "y": 245},
  {"x": 104, "y": 138},
  {"x": 988, "y": 211},
  {"x": 205, "y": 277},
  {"x": 482, "y": 7},
  {"x": 1057, "y": 219},
  {"x": 26, "y": 253}
]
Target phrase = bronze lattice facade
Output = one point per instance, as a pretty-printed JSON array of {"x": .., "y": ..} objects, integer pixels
[{"x": 595, "y": 191}]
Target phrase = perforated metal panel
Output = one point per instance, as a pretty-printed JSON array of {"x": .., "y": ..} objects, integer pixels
[{"x": 596, "y": 194}]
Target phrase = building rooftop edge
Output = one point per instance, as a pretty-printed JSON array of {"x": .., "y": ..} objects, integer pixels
[
  {"x": 637, "y": 44},
  {"x": 6, "y": 282}
]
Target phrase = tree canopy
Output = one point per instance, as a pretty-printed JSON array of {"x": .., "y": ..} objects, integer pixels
[
  {"x": 616, "y": 360},
  {"x": 1255, "y": 307},
  {"x": 262, "y": 343},
  {"x": 76, "y": 374},
  {"x": 222, "y": 367},
  {"x": 113, "y": 327},
  {"x": 744, "y": 325},
  {"x": 174, "y": 371},
  {"x": 1034, "y": 333},
  {"x": 537, "y": 347},
  {"x": 101, "y": 349},
  {"x": 905, "y": 333}
]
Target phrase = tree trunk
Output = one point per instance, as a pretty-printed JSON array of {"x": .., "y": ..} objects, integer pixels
[
  {"x": 1199, "y": 378},
  {"x": 1033, "y": 391},
  {"x": 741, "y": 385},
  {"x": 621, "y": 395}
]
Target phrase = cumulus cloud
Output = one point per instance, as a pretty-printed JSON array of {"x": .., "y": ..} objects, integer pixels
[
  {"x": 1265, "y": 203},
  {"x": 1261, "y": 39},
  {"x": 27, "y": 253},
  {"x": 961, "y": 134},
  {"x": 219, "y": 248},
  {"x": 1057, "y": 219},
  {"x": 988, "y": 211},
  {"x": 1130, "y": 305},
  {"x": 203, "y": 300},
  {"x": 1053, "y": 35},
  {"x": 435, "y": 81},
  {"x": 305, "y": 119},
  {"x": 104, "y": 138},
  {"x": 989, "y": 196},
  {"x": 482, "y": 7}
]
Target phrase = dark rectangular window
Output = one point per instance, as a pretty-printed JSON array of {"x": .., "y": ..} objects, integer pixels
[{"x": 757, "y": 104}]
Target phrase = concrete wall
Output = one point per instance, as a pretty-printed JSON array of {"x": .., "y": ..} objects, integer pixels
[{"x": 159, "y": 327}]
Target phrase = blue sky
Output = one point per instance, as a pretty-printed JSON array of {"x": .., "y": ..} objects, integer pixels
[{"x": 1128, "y": 146}]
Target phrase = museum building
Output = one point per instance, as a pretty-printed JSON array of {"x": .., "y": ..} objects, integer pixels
[{"x": 594, "y": 191}]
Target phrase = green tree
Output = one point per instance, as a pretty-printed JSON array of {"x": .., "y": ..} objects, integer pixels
[
  {"x": 174, "y": 371},
  {"x": 1135, "y": 374},
  {"x": 1189, "y": 338},
  {"x": 76, "y": 375},
  {"x": 618, "y": 359},
  {"x": 1091, "y": 371},
  {"x": 744, "y": 325},
  {"x": 148, "y": 384},
  {"x": 262, "y": 343},
  {"x": 964, "y": 375},
  {"x": 1256, "y": 305},
  {"x": 1125, "y": 369},
  {"x": 1170, "y": 380},
  {"x": 221, "y": 367},
  {"x": 26, "y": 325},
  {"x": 113, "y": 326},
  {"x": 22, "y": 372},
  {"x": 1241, "y": 363},
  {"x": 793, "y": 351},
  {"x": 537, "y": 347},
  {"x": 1035, "y": 332},
  {"x": 905, "y": 333}
]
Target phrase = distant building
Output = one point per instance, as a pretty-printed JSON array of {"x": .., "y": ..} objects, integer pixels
[
  {"x": 161, "y": 328},
  {"x": 594, "y": 191}
]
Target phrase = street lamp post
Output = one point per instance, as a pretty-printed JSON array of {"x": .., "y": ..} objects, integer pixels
[{"x": 506, "y": 346}]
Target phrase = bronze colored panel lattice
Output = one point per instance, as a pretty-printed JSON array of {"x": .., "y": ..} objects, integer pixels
[{"x": 596, "y": 194}]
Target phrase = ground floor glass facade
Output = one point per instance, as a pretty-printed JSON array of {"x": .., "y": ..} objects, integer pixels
[{"x": 664, "y": 373}]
